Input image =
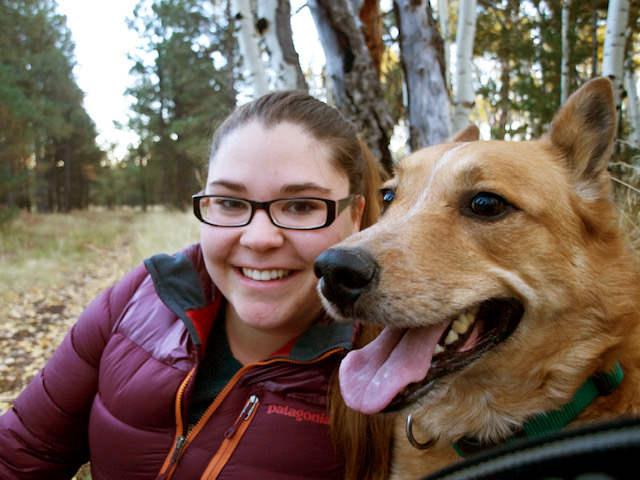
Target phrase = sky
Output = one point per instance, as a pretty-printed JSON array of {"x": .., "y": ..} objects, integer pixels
[{"x": 102, "y": 41}]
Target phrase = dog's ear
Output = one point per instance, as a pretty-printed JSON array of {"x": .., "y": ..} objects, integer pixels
[
  {"x": 583, "y": 132},
  {"x": 470, "y": 133}
]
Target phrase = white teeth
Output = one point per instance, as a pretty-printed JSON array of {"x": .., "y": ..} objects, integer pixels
[
  {"x": 462, "y": 324},
  {"x": 265, "y": 275},
  {"x": 451, "y": 337},
  {"x": 459, "y": 327}
]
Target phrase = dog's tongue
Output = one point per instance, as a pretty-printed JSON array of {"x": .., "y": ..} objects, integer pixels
[{"x": 372, "y": 376}]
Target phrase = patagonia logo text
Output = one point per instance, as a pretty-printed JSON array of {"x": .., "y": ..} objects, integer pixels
[{"x": 298, "y": 414}]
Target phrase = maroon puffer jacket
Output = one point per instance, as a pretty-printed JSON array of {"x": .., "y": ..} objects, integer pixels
[{"x": 116, "y": 392}]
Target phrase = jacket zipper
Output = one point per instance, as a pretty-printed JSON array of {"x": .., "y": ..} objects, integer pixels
[
  {"x": 183, "y": 439},
  {"x": 232, "y": 438}
]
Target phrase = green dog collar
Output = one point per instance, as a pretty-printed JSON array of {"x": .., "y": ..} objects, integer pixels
[{"x": 601, "y": 384}]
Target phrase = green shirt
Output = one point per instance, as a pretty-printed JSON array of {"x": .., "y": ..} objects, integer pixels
[{"x": 216, "y": 369}]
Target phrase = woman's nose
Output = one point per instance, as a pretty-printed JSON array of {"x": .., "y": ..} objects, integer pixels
[{"x": 261, "y": 233}]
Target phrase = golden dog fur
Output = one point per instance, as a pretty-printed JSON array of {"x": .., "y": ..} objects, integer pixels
[{"x": 556, "y": 250}]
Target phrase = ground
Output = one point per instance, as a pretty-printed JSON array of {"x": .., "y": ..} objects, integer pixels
[{"x": 37, "y": 320}]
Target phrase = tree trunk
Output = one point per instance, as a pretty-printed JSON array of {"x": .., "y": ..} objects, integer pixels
[
  {"x": 371, "y": 25},
  {"x": 613, "y": 51},
  {"x": 564, "y": 75},
  {"x": 443, "y": 20},
  {"x": 43, "y": 183},
  {"x": 356, "y": 88},
  {"x": 422, "y": 53},
  {"x": 594, "y": 38},
  {"x": 633, "y": 104},
  {"x": 505, "y": 73},
  {"x": 464, "y": 97},
  {"x": 228, "y": 44},
  {"x": 249, "y": 49},
  {"x": 274, "y": 24},
  {"x": 67, "y": 178}
]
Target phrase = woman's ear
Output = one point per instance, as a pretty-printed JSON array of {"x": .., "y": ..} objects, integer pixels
[{"x": 357, "y": 208}]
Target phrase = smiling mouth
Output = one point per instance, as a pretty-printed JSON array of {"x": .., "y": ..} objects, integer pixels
[
  {"x": 401, "y": 365},
  {"x": 468, "y": 336},
  {"x": 265, "y": 275}
]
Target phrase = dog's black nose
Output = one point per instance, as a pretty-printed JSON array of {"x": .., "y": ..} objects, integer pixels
[{"x": 344, "y": 274}]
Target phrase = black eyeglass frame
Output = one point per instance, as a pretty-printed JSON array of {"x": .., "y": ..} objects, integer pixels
[{"x": 334, "y": 209}]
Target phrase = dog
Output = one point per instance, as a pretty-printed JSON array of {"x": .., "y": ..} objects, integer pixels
[{"x": 504, "y": 288}]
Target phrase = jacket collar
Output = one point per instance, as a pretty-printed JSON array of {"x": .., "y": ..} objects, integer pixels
[{"x": 179, "y": 285}]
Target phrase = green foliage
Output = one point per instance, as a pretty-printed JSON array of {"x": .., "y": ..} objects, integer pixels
[
  {"x": 180, "y": 97},
  {"x": 184, "y": 85},
  {"x": 47, "y": 140},
  {"x": 518, "y": 50}
]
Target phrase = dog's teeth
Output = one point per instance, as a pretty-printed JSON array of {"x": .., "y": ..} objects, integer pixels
[
  {"x": 470, "y": 317},
  {"x": 438, "y": 349},
  {"x": 461, "y": 325},
  {"x": 451, "y": 337}
]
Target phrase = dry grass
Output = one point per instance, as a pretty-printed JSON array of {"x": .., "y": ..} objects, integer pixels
[
  {"x": 40, "y": 250},
  {"x": 626, "y": 192}
]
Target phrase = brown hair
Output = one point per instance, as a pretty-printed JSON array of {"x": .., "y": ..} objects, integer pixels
[
  {"x": 324, "y": 123},
  {"x": 363, "y": 442}
]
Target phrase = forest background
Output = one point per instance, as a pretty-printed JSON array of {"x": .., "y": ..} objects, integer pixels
[
  {"x": 73, "y": 218},
  {"x": 407, "y": 73}
]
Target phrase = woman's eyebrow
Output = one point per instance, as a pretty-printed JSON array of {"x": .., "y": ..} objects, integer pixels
[
  {"x": 287, "y": 190},
  {"x": 296, "y": 188},
  {"x": 233, "y": 186}
]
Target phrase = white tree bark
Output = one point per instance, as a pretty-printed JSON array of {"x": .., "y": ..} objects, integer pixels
[
  {"x": 356, "y": 88},
  {"x": 464, "y": 97},
  {"x": 255, "y": 73},
  {"x": 633, "y": 104},
  {"x": 423, "y": 63},
  {"x": 275, "y": 27},
  {"x": 613, "y": 52},
  {"x": 564, "y": 76}
]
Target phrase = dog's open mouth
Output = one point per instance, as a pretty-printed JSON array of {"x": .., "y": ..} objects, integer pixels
[{"x": 401, "y": 365}]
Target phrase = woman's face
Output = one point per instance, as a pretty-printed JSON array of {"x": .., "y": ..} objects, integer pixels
[{"x": 266, "y": 272}]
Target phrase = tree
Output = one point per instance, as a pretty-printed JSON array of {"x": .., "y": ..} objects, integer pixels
[
  {"x": 464, "y": 97},
  {"x": 445, "y": 32},
  {"x": 370, "y": 15},
  {"x": 274, "y": 25},
  {"x": 255, "y": 73},
  {"x": 422, "y": 53},
  {"x": 634, "y": 107},
  {"x": 180, "y": 96},
  {"x": 564, "y": 82},
  {"x": 614, "y": 47},
  {"x": 355, "y": 83},
  {"x": 47, "y": 141}
]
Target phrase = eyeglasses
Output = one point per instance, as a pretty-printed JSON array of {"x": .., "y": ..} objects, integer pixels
[{"x": 294, "y": 213}]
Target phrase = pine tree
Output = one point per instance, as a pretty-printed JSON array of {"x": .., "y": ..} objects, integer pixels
[{"x": 180, "y": 96}]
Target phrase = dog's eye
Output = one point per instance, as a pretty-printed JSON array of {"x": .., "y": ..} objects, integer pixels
[
  {"x": 488, "y": 205},
  {"x": 387, "y": 195}
]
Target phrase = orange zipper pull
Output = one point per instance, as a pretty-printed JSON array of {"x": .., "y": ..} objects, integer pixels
[{"x": 244, "y": 415}]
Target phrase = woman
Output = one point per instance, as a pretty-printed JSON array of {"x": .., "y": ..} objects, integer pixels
[{"x": 216, "y": 362}]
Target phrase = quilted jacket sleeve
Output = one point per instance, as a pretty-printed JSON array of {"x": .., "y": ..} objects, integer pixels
[{"x": 44, "y": 435}]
